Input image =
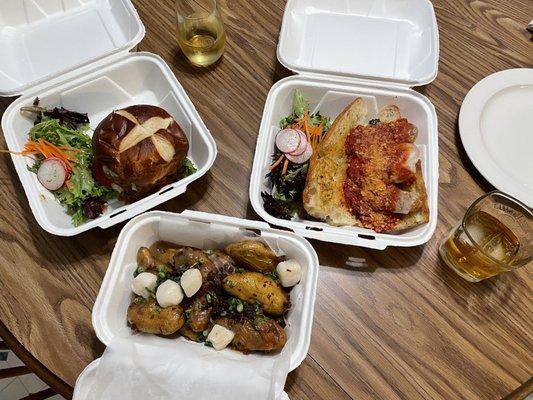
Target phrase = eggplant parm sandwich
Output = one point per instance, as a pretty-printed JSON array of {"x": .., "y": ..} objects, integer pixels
[{"x": 368, "y": 173}]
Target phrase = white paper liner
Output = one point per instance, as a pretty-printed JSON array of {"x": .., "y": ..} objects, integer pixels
[{"x": 138, "y": 370}]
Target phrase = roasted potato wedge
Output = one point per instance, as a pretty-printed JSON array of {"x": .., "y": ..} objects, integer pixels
[
  {"x": 253, "y": 287},
  {"x": 188, "y": 333},
  {"x": 224, "y": 264},
  {"x": 167, "y": 256},
  {"x": 145, "y": 259},
  {"x": 199, "y": 314},
  {"x": 253, "y": 255},
  {"x": 148, "y": 317},
  {"x": 191, "y": 257},
  {"x": 259, "y": 334}
]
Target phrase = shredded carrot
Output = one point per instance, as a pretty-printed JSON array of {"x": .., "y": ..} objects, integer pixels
[
  {"x": 306, "y": 126},
  {"x": 318, "y": 130},
  {"x": 48, "y": 150},
  {"x": 277, "y": 162},
  {"x": 298, "y": 124},
  {"x": 285, "y": 167},
  {"x": 317, "y": 134}
]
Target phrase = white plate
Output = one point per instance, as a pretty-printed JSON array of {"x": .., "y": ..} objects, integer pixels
[{"x": 496, "y": 128}]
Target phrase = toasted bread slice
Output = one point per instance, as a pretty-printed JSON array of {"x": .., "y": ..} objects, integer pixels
[
  {"x": 389, "y": 114},
  {"x": 323, "y": 197}
]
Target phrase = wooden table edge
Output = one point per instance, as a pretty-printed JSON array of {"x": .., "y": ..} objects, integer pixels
[
  {"x": 521, "y": 392},
  {"x": 47, "y": 376}
]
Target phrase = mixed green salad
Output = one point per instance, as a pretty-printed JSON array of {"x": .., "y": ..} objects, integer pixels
[
  {"x": 300, "y": 135},
  {"x": 80, "y": 194}
]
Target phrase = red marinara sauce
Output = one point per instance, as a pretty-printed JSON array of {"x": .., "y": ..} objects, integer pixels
[{"x": 372, "y": 152}]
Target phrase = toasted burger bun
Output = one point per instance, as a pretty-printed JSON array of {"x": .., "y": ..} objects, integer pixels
[{"x": 138, "y": 150}]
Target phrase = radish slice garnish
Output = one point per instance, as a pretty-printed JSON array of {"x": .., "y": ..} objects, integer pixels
[
  {"x": 306, "y": 155},
  {"x": 52, "y": 173},
  {"x": 288, "y": 140},
  {"x": 301, "y": 148}
]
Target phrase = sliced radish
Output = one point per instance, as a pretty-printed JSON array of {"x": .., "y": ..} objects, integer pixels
[
  {"x": 52, "y": 173},
  {"x": 288, "y": 140},
  {"x": 303, "y": 145},
  {"x": 306, "y": 155}
]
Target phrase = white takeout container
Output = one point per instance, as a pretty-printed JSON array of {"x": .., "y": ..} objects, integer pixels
[
  {"x": 75, "y": 54},
  {"x": 341, "y": 50},
  {"x": 191, "y": 228}
]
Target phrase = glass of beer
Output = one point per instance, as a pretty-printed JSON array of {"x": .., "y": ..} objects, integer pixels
[
  {"x": 201, "y": 34},
  {"x": 495, "y": 236}
]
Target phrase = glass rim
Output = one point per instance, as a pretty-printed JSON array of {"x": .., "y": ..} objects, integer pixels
[
  {"x": 524, "y": 207},
  {"x": 210, "y": 12}
]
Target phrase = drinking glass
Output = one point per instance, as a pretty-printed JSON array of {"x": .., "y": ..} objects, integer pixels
[
  {"x": 494, "y": 236},
  {"x": 201, "y": 34}
]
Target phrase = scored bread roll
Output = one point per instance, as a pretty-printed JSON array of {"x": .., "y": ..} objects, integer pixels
[{"x": 137, "y": 150}]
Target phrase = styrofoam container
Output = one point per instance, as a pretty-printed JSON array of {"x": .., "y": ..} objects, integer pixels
[
  {"x": 341, "y": 50},
  {"x": 113, "y": 78},
  {"x": 115, "y": 294},
  {"x": 110, "y": 309}
]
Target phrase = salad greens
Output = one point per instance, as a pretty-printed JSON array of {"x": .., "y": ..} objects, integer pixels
[
  {"x": 187, "y": 168},
  {"x": 82, "y": 196},
  {"x": 285, "y": 198}
]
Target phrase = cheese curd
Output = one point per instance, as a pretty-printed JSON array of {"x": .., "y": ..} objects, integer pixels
[
  {"x": 289, "y": 272},
  {"x": 191, "y": 281},
  {"x": 169, "y": 293},
  {"x": 144, "y": 284}
]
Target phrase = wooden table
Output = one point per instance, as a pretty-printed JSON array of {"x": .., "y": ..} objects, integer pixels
[{"x": 406, "y": 327}]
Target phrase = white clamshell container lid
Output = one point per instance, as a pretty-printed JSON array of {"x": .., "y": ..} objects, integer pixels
[
  {"x": 41, "y": 40},
  {"x": 384, "y": 40}
]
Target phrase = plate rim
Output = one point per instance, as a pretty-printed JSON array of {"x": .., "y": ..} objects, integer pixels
[{"x": 469, "y": 131}]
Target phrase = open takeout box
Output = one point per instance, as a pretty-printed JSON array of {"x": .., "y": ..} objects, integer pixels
[
  {"x": 343, "y": 49},
  {"x": 200, "y": 230},
  {"x": 75, "y": 54}
]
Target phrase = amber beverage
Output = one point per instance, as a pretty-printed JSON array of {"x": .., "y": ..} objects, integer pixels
[
  {"x": 201, "y": 33},
  {"x": 495, "y": 236}
]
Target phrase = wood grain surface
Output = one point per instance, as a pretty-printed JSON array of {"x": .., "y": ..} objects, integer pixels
[{"x": 405, "y": 327}]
